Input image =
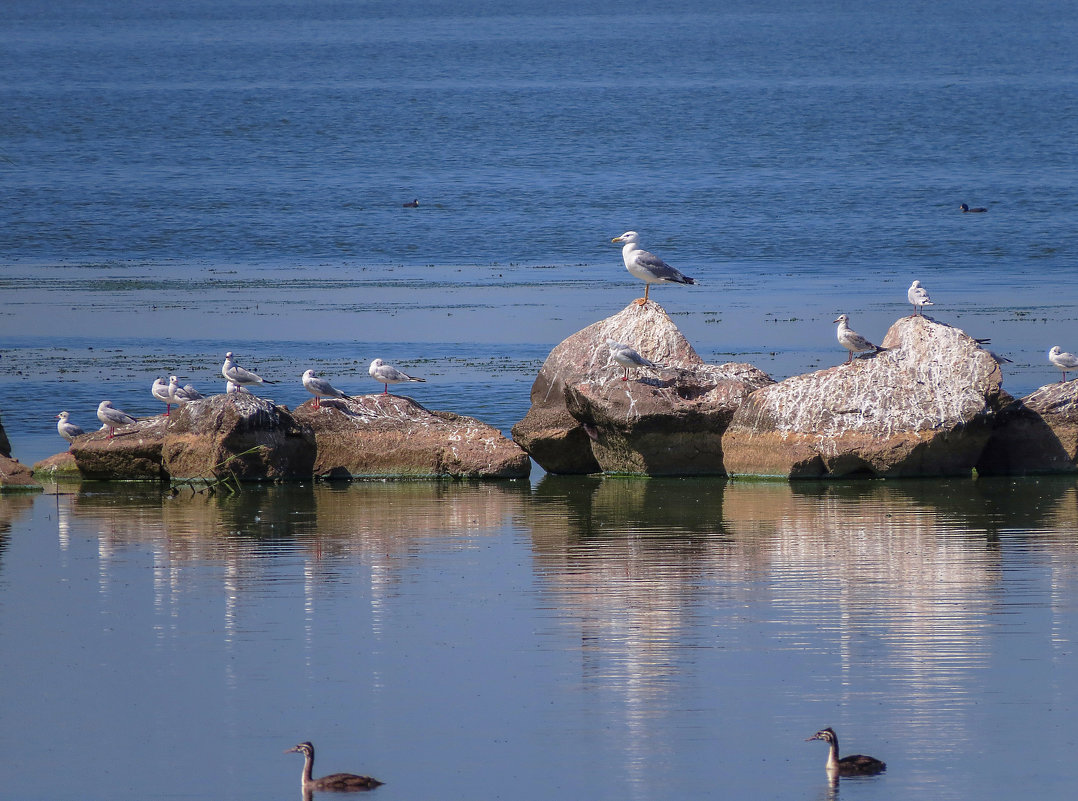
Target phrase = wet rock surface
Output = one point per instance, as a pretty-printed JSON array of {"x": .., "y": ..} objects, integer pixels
[{"x": 1035, "y": 434}]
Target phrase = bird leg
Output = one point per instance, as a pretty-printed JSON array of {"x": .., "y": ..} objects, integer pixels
[
  {"x": 316, "y": 401},
  {"x": 644, "y": 300},
  {"x": 849, "y": 359},
  {"x": 386, "y": 390}
]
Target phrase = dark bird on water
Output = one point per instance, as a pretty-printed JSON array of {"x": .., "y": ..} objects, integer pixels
[
  {"x": 335, "y": 781},
  {"x": 967, "y": 210},
  {"x": 852, "y": 765},
  {"x": 414, "y": 204}
]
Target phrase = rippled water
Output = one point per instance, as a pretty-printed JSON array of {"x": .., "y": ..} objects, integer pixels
[{"x": 595, "y": 637}]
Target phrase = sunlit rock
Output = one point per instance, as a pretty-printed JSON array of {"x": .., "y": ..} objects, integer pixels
[
  {"x": 394, "y": 436},
  {"x": 58, "y": 467},
  {"x": 132, "y": 454},
  {"x": 242, "y": 435},
  {"x": 16, "y": 476},
  {"x": 1035, "y": 434},
  {"x": 923, "y": 407}
]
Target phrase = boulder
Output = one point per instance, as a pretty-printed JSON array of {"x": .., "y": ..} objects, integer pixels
[
  {"x": 133, "y": 453},
  {"x": 5, "y": 445},
  {"x": 548, "y": 432},
  {"x": 16, "y": 476},
  {"x": 671, "y": 424},
  {"x": 923, "y": 407},
  {"x": 243, "y": 435},
  {"x": 394, "y": 436},
  {"x": 1035, "y": 434},
  {"x": 58, "y": 467}
]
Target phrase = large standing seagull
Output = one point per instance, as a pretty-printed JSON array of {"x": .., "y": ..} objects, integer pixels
[
  {"x": 113, "y": 417},
  {"x": 1067, "y": 362},
  {"x": 648, "y": 267},
  {"x": 320, "y": 388},
  {"x": 66, "y": 429},
  {"x": 388, "y": 374},
  {"x": 851, "y": 340},
  {"x": 239, "y": 376}
]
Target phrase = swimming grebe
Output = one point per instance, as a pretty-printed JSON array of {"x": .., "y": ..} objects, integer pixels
[
  {"x": 335, "y": 781},
  {"x": 967, "y": 210},
  {"x": 853, "y": 765}
]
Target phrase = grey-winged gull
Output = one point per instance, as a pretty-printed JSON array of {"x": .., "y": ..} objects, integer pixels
[
  {"x": 66, "y": 429},
  {"x": 112, "y": 418},
  {"x": 388, "y": 374},
  {"x": 182, "y": 395},
  {"x": 1067, "y": 362},
  {"x": 160, "y": 391},
  {"x": 320, "y": 388},
  {"x": 851, "y": 340},
  {"x": 918, "y": 296},
  {"x": 238, "y": 375},
  {"x": 646, "y": 266},
  {"x": 628, "y": 358}
]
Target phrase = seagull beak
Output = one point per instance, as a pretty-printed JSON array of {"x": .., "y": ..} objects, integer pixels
[
  {"x": 616, "y": 239},
  {"x": 835, "y": 320}
]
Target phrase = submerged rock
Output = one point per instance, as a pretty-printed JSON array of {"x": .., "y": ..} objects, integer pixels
[
  {"x": 394, "y": 436},
  {"x": 1035, "y": 434},
  {"x": 585, "y": 419},
  {"x": 921, "y": 408}
]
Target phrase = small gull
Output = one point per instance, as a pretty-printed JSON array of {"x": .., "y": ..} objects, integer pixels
[
  {"x": 160, "y": 391},
  {"x": 111, "y": 418},
  {"x": 648, "y": 267},
  {"x": 320, "y": 388},
  {"x": 967, "y": 210},
  {"x": 66, "y": 429},
  {"x": 628, "y": 358},
  {"x": 181, "y": 395},
  {"x": 388, "y": 374},
  {"x": 918, "y": 296},
  {"x": 237, "y": 375},
  {"x": 232, "y": 388},
  {"x": 1063, "y": 360},
  {"x": 851, "y": 340}
]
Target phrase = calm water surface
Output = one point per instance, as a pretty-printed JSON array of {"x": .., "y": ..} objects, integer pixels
[{"x": 592, "y": 638}]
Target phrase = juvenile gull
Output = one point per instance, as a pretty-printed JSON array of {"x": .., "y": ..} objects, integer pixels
[
  {"x": 320, "y": 388},
  {"x": 851, "y": 340},
  {"x": 918, "y": 296},
  {"x": 237, "y": 375},
  {"x": 160, "y": 391},
  {"x": 181, "y": 395},
  {"x": 628, "y": 358},
  {"x": 1063, "y": 360},
  {"x": 111, "y": 418},
  {"x": 388, "y": 374},
  {"x": 66, "y": 429},
  {"x": 648, "y": 267}
]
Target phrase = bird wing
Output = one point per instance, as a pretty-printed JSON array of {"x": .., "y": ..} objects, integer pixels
[{"x": 652, "y": 264}]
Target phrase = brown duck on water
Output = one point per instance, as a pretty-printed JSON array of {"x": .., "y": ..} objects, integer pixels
[
  {"x": 335, "y": 781},
  {"x": 853, "y": 765}
]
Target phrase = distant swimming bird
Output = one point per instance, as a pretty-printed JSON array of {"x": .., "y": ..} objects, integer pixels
[
  {"x": 918, "y": 296},
  {"x": 648, "y": 267},
  {"x": 628, "y": 358},
  {"x": 853, "y": 765},
  {"x": 320, "y": 388},
  {"x": 182, "y": 395},
  {"x": 238, "y": 375},
  {"x": 232, "y": 388},
  {"x": 160, "y": 391},
  {"x": 851, "y": 340},
  {"x": 111, "y": 418},
  {"x": 335, "y": 781},
  {"x": 388, "y": 374},
  {"x": 66, "y": 429},
  {"x": 412, "y": 205},
  {"x": 967, "y": 210},
  {"x": 1063, "y": 360}
]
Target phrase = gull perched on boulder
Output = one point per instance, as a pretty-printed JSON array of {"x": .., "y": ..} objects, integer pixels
[
  {"x": 648, "y": 267},
  {"x": 66, "y": 429},
  {"x": 111, "y": 418},
  {"x": 320, "y": 388},
  {"x": 918, "y": 296},
  {"x": 851, "y": 340},
  {"x": 181, "y": 395},
  {"x": 160, "y": 391},
  {"x": 239, "y": 376},
  {"x": 1063, "y": 360},
  {"x": 388, "y": 374},
  {"x": 628, "y": 358}
]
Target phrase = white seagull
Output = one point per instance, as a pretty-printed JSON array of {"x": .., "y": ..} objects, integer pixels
[
  {"x": 628, "y": 358},
  {"x": 232, "y": 388},
  {"x": 648, "y": 267},
  {"x": 160, "y": 391},
  {"x": 918, "y": 296},
  {"x": 1063, "y": 360},
  {"x": 66, "y": 429},
  {"x": 237, "y": 375},
  {"x": 181, "y": 395},
  {"x": 320, "y": 388},
  {"x": 111, "y": 418},
  {"x": 388, "y": 374},
  {"x": 851, "y": 340}
]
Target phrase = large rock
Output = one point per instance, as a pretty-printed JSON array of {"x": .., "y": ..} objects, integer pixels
[
  {"x": 923, "y": 407},
  {"x": 133, "y": 453},
  {"x": 549, "y": 433},
  {"x": 16, "y": 476},
  {"x": 393, "y": 436},
  {"x": 1035, "y": 434},
  {"x": 58, "y": 467},
  {"x": 5, "y": 445},
  {"x": 243, "y": 435}
]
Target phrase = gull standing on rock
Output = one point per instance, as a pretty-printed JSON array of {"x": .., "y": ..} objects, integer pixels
[
  {"x": 181, "y": 395},
  {"x": 628, "y": 358},
  {"x": 239, "y": 376},
  {"x": 111, "y": 418},
  {"x": 66, "y": 429},
  {"x": 160, "y": 391},
  {"x": 851, "y": 340},
  {"x": 918, "y": 296},
  {"x": 1063, "y": 360},
  {"x": 388, "y": 374},
  {"x": 648, "y": 267},
  {"x": 320, "y": 388},
  {"x": 232, "y": 388}
]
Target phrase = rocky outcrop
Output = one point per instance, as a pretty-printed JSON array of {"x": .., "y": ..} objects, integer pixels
[
  {"x": 16, "y": 476},
  {"x": 243, "y": 435},
  {"x": 5, "y": 445},
  {"x": 669, "y": 421},
  {"x": 59, "y": 467},
  {"x": 133, "y": 453},
  {"x": 393, "y": 436},
  {"x": 1035, "y": 434},
  {"x": 921, "y": 408}
]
